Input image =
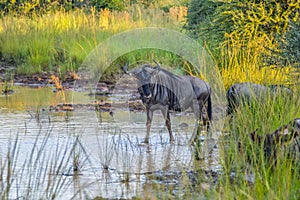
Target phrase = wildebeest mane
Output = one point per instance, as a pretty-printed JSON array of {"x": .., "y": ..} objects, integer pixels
[
  {"x": 167, "y": 83},
  {"x": 162, "y": 87},
  {"x": 162, "y": 95}
]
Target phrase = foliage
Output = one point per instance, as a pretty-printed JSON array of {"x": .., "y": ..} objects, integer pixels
[
  {"x": 241, "y": 20},
  {"x": 43, "y": 6},
  {"x": 164, "y": 4},
  {"x": 288, "y": 53},
  {"x": 110, "y": 4},
  {"x": 259, "y": 19},
  {"x": 200, "y": 20}
]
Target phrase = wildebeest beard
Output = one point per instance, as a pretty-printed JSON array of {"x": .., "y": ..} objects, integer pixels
[{"x": 159, "y": 94}]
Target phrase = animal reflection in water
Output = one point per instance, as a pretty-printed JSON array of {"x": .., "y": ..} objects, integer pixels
[
  {"x": 162, "y": 90},
  {"x": 244, "y": 93}
]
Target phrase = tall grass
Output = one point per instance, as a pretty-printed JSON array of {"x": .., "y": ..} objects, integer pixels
[
  {"x": 38, "y": 173},
  {"x": 249, "y": 173},
  {"x": 243, "y": 63},
  {"x": 62, "y": 39}
]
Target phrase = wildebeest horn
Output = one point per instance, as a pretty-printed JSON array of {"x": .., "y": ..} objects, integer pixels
[
  {"x": 125, "y": 68},
  {"x": 158, "y": 65}
]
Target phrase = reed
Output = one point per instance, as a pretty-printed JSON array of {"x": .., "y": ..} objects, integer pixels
[
  {"x": 37, "y": 176},
  {"x": 248, "y": 172}
]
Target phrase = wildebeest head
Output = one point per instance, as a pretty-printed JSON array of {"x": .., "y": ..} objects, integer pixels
[
  {"x": 296, "y": 126},
  {"x": 281, "y": 89},
  {"x": 144, "y": 76}
]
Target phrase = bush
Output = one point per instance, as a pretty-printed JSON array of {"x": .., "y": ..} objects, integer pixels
[
  {"x": 110, "y": 4},
  {"x": 288, "y": 53},
  {"x": 200, "y": 20},
  {"x": 40, "y": 6},
  {"x": 240, "y": 21}
]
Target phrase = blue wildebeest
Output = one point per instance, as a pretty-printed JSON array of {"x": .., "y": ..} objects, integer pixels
[
  {"x": 162, "y": 90},
  {"x": 285, "y": 140},
  {"x": 243, "y": 93}
]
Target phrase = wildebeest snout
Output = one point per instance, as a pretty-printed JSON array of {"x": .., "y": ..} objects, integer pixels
[
  {"x": 146, "y": 92},
  {"x": 148, "y": 96}
]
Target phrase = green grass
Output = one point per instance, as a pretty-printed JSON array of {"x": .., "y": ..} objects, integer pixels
[
  {"x": 63, "y": 39},
  {"x": 272, "y": 181}
]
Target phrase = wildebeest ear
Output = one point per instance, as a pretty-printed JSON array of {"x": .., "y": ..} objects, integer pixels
[
  {"x": 296, "y": 126},
  {"x": 254, "y": 136},
  {"x": 157, "y": 64},
  {"x": 156, "y": 68}
]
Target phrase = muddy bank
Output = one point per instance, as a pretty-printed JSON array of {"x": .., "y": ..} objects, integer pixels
[
  {"x": 102, "y": 106},
  {"x": 44, "y": 79},
  {"x": 8, "y": 73}
]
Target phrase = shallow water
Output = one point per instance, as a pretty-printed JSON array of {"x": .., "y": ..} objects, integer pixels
[{"x": 107, "y": 149}]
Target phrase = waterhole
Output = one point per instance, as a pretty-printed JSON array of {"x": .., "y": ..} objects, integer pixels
[{"x": 85, "y": 153}]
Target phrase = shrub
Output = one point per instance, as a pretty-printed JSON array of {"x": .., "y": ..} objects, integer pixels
[
  {"x": 200, "y": 20},
  {"x": 288, "y": 53},
  {"x": 240, "y": 20}
]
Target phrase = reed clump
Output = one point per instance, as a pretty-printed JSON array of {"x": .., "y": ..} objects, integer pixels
[{"x": 38, "y": 169}]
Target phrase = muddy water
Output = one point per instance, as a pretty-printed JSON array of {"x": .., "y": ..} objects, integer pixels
[{"x": 85, "y": 154}]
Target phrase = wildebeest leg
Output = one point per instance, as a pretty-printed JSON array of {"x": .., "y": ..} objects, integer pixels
[
  {"x": 206, "y": 119},
  {"x": 198, "y": 113},
  {"x": 166, "y": 115},
  {"x": 148, "y": 124},
  {"x": 202, "y": 119}
]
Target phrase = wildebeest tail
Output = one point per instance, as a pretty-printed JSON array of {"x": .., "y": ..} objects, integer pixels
[
  {"x": 230, "y": 100},
  {"x": 209, "y": 108}
]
